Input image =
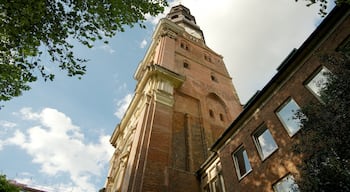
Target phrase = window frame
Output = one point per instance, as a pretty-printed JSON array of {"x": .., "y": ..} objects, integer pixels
[
  {"x": 259, "y": 131},
  {"x": 312, "y": 77},
  {"x": 213, "y": 178},
  {"x": 283, "y": 179},
  {"x": 283, "y": 121},
  {"x": 236, "y": 162}
]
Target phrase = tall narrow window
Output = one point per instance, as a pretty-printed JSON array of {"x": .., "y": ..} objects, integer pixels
[
  {"x": 287, "y": 184},
  {"x": 221, "y": 117},
  {"x": 318, "y": 82},
  {"x": 242, "y": 163},
  {"x": 264, "y": 142},
  {"x": 211, "y": 113},
  {"x": 287, "y": 115},
  {"x": 213, "y": 78}
]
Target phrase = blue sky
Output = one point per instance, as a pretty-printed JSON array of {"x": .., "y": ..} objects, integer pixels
[{"x": 56, "y": 136}]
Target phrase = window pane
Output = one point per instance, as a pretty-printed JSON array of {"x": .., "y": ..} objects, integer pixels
[
  {"x": 242, "y": 162},
  {"x": 287, "y": 117},
  {"x": 217, "y": 185},
  {"x": 318, "y": 82},
  {"x": 265, "y": 142},
  {"x": 287, "y": 184}
]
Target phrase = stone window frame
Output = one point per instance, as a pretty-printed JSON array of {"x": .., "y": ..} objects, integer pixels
[
  {"x": 238, "y": 165},
  {"x": 256, "y": 135}
]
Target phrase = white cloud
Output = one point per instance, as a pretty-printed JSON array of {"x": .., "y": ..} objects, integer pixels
[
  {"x": 27, "y": 114},
  {"x": 253, "y": 36},
  {"x": 17, "y": 139},
  {"x": 7, "y": 124},
  {"x": 122, "y": 105},
  {"x": 58, "y": 146},
  {"x": 143, "y": 43},
  {"x": 6, "y": 127},
  {"x": 107, "y": 48}
]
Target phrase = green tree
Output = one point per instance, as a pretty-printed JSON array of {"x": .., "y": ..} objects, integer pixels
[
  {"x": 6, "y": 186},
  {"x": 324, "y": 137},
  {"x": 31, "y": 28},
  {"x": 323, "y": 4}
]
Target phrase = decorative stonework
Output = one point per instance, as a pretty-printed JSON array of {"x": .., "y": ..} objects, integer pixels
[
  {"x": 168, "y": 32},
  {"x": 164, "y": 98}
]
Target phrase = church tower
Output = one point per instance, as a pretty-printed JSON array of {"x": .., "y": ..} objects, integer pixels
[{"x": 184, "y": 100}]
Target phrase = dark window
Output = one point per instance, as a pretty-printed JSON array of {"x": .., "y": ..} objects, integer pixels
[
  {"x": 242, "y": 163},
  {"x": 211, "y": 113},
  {"x": 213, "y": 78},
  {"x": 186, "y": 65},
  {"x": 174, "y": 17},
  {"x": 221, "y": 117},
  {"x": 184, "y": 46}
]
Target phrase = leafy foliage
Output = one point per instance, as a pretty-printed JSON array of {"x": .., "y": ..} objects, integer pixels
[
  {"x": 324, "y": 137},
  {"x": 27, "y": 27},
  {"x": 323, "y": 4},
  {"x": 6, "y": 186}
]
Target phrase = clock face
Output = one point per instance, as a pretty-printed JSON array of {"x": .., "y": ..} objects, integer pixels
[{"x": 193, "y": 32}]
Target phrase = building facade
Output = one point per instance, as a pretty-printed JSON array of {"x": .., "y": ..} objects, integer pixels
[
  {"x": 255, "y": 153},
  {"x": 184, "y": 100},
  {"x": 185, "y": 103}
]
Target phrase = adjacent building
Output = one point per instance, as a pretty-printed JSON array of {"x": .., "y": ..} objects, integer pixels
[{"x": 185, "y": 129}]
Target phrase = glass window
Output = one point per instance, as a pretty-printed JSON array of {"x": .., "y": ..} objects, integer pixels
[
  {"x": 213, "y": 181},
  {"x": 287, "y": 184},
  {"x": 318, "y": 82},
  {"x": 242, "y": 163},
  {"x": 287, "y": 115},
  {"x": 264, "y": 142}
]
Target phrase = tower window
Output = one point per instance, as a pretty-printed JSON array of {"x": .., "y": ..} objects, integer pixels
[
  {"x": 211, "y": 113},
  {"x": 174, "y": 17},
  {"x": 207, "y": 57},
  {"x": 221, "y": 117},
  {"x": 186, "y": 65},
  {"x": 213, "y": 78},
  {"x": 184, "y": 46}
]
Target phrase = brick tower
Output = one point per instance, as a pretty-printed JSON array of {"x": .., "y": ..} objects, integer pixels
[{"x": 183, "y": 102}]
